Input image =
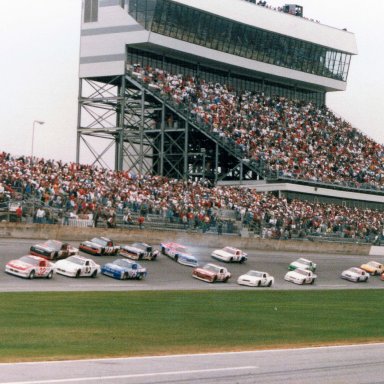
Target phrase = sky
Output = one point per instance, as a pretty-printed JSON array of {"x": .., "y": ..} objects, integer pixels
[{"x": 40, "y": 43}]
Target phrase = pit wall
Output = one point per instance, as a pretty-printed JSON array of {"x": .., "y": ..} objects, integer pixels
[{"x": 121, "y": 235}]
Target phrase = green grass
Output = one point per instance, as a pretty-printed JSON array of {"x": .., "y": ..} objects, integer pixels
[{"x": 40, "y": 326}]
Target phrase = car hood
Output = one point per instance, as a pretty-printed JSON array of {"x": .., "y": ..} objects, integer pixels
[
  {"x": 65, "y": 264},
  {"x": 18, "y": 264},
  {"x": 131, "y": 248},
  {"x": 205, "y": 271}
]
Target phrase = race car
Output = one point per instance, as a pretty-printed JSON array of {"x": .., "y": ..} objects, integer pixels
[
  {"x": 373, "y": 268},
  {"x": 138, "y": 251},
  {"x": 229, "y": 255},
  {"x": 303, "y": 264},
  {"x": 30, "y": 266},
  {"x": 211, "y": 273},
  {"x": 99, "y": 246},
  {"x": 77, "y": 266},
  {"x": 179, "y": 253},
  {"x": 256, "y": 279},
  {"x": 53, "y": 249},
  {"x": 300, "y": 276},
  {"x": 124, "y": 269},
  {"x": 355, "y": 274}
]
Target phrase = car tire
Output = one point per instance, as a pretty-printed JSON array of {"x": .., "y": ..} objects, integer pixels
[
  {"x": 214, "y": 278},
  {"x": 94, "y": 274},
  {"x": 176, "y": 258},
  {"x": 259, "y": 283},
  {"x": 50, "y": 275},
  {"x": 31, "y": 275},
  {"x": 163, "y": 250},
  {"x": 78, "y": 272},
  {"x": 313, "y": 281},
  {"x": 231, "y": 260},
  {"x": 125, "y": 276},
  {"x": 270, "y": 284},
  {"x": 226, "y": 279},
  {"x": 140, "y": 277}
]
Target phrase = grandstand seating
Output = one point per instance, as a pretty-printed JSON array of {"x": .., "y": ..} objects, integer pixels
[
  {"x": 284, "y": 138},
  {"x": 287, "y": 138}
]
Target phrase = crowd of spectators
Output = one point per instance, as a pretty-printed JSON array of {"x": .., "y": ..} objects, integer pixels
[
  {"x": 292, "y": 138},
  {"x": 79, "y": 190},
  {"x": 288, "y": 138}
]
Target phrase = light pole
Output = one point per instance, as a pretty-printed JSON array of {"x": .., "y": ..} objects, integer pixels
[{"x": 33, "y": 132}]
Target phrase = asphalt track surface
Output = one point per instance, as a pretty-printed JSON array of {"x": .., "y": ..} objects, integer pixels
[
  {"x": 350, "y": 364},
  {"x": 166, "y": 274},
  {"x": 358, "y": 364}
]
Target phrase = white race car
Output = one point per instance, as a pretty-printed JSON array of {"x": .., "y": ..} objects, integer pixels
[
  {"x": 256, "y": 279},
  {"x": 355, "y": 274},
  {"x": 300, "y": 276},
  {"x": 76, "y": 266},
  {"x": 302, "y": 264},
  {"x": 229, "y": 255}
]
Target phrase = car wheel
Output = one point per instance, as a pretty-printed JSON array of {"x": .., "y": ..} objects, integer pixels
[
  {"x": 140, "y": 277},
  {"x": 78, "y": 273},
  {"x": 366, "y": 279},
  {"x": 242, "y": 260},
  {"x": 94, "y": 274},
  {"x": 50, "y": 275},
  {"x": 163, "y": 250},
  {"x": 226, "y": 279},
  {"x": 313, "y": 281},
  {"x": 214, "y": 278},
  {"x": 258, "y": 283},
  {"x": 125, "y": 276},
  {"x": 231, "y": 260},
  {"x": 176, "y": 258},
  {"x": 270, "y": 284},
  {"x": 31, "y": 275}
]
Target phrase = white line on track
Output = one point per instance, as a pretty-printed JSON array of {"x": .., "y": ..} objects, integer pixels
[{"x": 141, "y": 375}]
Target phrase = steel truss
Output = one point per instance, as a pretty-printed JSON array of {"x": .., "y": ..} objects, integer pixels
[{"x": 150, "y": 135}]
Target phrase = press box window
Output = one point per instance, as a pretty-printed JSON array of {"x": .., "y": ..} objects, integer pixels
[{"x": 91, "y": 8}]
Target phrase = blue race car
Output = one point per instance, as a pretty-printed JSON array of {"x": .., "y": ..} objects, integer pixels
[{"x": 124, "y": 269}]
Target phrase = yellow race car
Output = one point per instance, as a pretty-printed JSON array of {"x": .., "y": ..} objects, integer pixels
[{"x": 373, "y": 268}]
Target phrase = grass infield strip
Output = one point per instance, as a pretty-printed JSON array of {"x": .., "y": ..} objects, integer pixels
[{"x": 56, "y": 326}]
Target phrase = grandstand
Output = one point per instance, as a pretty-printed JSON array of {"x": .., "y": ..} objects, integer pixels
[{"x": 159, "y": 78}]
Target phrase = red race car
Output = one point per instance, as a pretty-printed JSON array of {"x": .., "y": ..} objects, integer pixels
[{"x": 211, "y": 273}]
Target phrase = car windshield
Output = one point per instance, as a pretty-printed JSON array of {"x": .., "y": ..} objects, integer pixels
[
  {"x": 56, "y": 245},
  {"x": 255, "y": 273},
  {"x": 76, "y": 260},
  {"x": 230, "y": 250},
  {"x": 374, "y": 264},
  {"x": 123, "y": 263},
  {"x": 355, "y": 270},
  {"x": 29, "y": 260},
  {"x": 212, "y": 268},
  {"x": 99, "y": 241},
  {"x": 304, "y": 261}
]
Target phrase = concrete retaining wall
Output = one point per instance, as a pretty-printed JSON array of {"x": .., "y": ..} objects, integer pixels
[{"x": 121, "y": 235}]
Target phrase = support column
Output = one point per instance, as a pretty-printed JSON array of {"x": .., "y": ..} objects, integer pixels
[{"x": 79, "y": 106}]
